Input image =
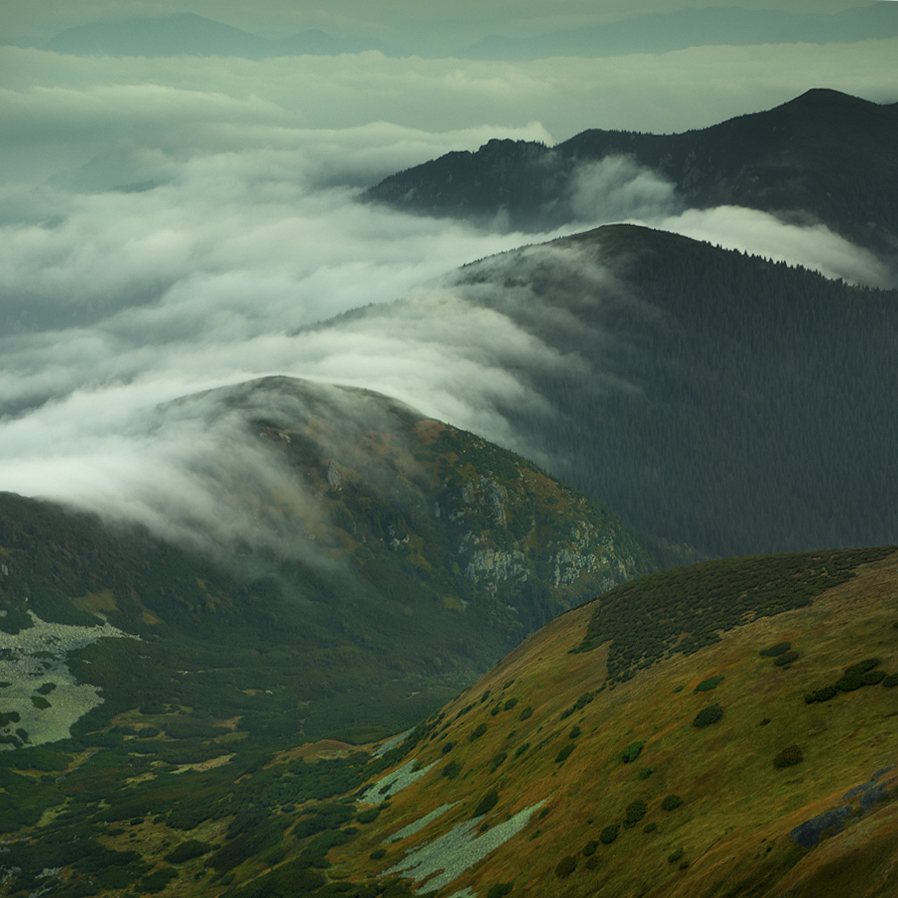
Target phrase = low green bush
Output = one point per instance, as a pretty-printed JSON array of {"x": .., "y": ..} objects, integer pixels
[
  {"x": 500, "y": 889},
  {"x": 564, "y": 754},
  {"x": 634, "y": 812},
  {"x": 377, "y": 854},
  {"x": 609, "y": 834},
  {"x": 644, "y": 773},
  {"x": 590, "y": 848},
  {"x": 566, "y": 866},
  {"x": 486, "y": 804},
  {"x": 497, "y": 760},
  {"x": 780, "y": 648},
  {"x": 709, "y": 684},
  {"x": 452, "y": 770},
  {"x": 478, "y": 732},
  {"x": 574, "y": 733},
  {"x": 631, "y": 752},
  {"x": 447, "y": 747},
  {"x": 527, "y": 712},
  {"x": 890, "y": 681},
  {"x": 674, "y": 856},
  {"x": 187, "y": 851},
  {"x": 509, "y": 704},
  {"x": 821, "y": 695},
  {"x": 788, "y": 757},
  {"x": 707, "y": 716},
  {"x": 785, "y": 659},
  {"x": 671, "y": 802},
  {"x": 650, "y": 827}
]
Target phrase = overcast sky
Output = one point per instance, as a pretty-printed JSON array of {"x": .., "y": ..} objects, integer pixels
[{"x": 166, "y": 225}]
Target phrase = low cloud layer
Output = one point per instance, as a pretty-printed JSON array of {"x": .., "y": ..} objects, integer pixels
[{"x": 169, "y": 226}]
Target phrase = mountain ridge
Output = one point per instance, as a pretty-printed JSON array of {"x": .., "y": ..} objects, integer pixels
[{"x": 822, "y": 155}]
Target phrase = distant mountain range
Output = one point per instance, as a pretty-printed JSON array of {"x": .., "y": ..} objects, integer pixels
[
  {"x": 823, "y": 156},
  {"x": 187, "y": 34}
]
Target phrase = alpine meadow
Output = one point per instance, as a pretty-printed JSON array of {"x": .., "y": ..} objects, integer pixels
[{"x": 448, "y": 449}]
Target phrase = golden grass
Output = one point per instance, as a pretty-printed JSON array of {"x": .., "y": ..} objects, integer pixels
[{"x": 738, "y": 809}]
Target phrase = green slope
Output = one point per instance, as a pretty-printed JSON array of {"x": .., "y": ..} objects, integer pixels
[
  {"x": 714, "y": 771},
  {"x": 759, "y": 761},
  {"x": 396, "y": 559}
]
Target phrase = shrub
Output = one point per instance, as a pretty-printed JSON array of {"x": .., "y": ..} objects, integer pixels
[
  {"x": 891, "y": 681},
  {"x": 497, "y": 760},
  {"x": 520, "y": 750},
  {"x": 872, "y": 677},
  {"x": 631, "y": 752},
  {"x": 500, "y": 889},
  {"x": 674, "y": 856},
  {"x": 678, "y": 688},
  {"x": 187, "y": 851},
  {"x": 578, "y": 705},
  {"x": 564, "y": 754},
  {"x": 821, "y": 695},
  {"x": 671, "y": 802},
  {"x": 788, "y": 757},
  {"x": 707, "y": 716},
  {"x": 590, "y": 848},
  {"x": 634, "y": 812},
  {"x": 566, "y": 866},
  {"x": 452, "y": 770},
  {"x": 478, "y": 732},
  {"x": 447, "y": 747},
  {"x": 779, "y": 649},
  {"x": 785, "y": 659},
  {"x": 377, "y": 854},
  {"x": 644, "y": 773},
  {"x": 650, "y": 827},
  {"x": 527, "y": 712},
  {"x": 709, "y": 684},
  {"x": 609, "y": 834},
  {"x": 863, "y": 666},
  {"x": 574, "y": 733},
  {"x": 509, "y": 704},
  {"x": 486, "y": 804}
]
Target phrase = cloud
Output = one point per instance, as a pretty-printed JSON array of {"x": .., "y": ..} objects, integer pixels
[
  {"x": 812, "y": 246},
  {"x": 171, "y": 226},
  {"x": 616, "y": 188}
]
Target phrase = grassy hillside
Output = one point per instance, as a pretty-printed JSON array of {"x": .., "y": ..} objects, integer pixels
[
  {"x": 709, "y": 773},
  {"x": 753, "y": 763}
]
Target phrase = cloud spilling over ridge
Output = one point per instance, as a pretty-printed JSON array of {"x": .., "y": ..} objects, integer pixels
[{"x": 171, "y": 226}]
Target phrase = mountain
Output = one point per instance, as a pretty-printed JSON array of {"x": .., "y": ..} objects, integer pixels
[
  {"x": 386, "y": 560},
  {"x": 711, "y": 398},
  {"x": 670, "y": 31},
  {"x": 192, "y": 35},
  {"x": 184, "y": 34},
  {"x": 823, "y": 156},
  {"x": 719, "y": 729}
]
